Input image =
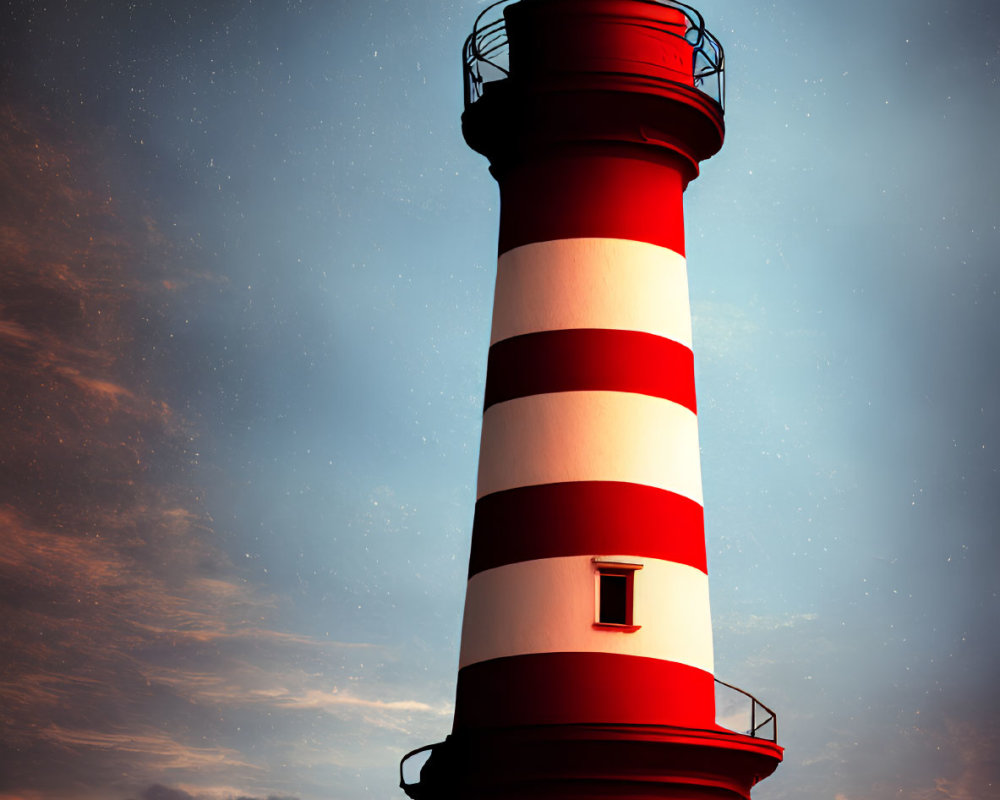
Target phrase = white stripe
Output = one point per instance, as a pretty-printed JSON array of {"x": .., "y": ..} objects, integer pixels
[
  {"x": 592, "y": 283},
  {"x": 547, "y": 606},
  {"x": 590, "y": 436}
]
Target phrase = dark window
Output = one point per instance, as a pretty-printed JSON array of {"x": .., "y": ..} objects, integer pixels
[
  {"x": 615, "y": 608},
  {"x": 615, "y": 594}
]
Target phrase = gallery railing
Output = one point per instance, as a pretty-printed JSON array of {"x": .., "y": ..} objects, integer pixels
[{"x": 485, "y": 53}]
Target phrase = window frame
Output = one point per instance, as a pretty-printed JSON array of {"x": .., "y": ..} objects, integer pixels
[{"x": 627, "y": 570}]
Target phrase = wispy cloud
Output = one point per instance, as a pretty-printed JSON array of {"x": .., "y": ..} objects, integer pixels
[
  {"x": 722, "y": 330},
  {"x": 249, "y": 685},
  {"x": 763, "y": 622},
  {"x": 14, "y": 333},
  {"x": 335, "y": 700},
  {"x": 109, "y": 576},
  {"x": 971, "y": 753},
  {"x": 154, "y": 747},
  {"x": 131, "y": 641},
  {"x": 183, "y": 791}
]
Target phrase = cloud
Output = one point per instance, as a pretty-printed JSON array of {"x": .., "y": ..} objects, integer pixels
[
  {"x": 112, "y": 393},
  {"x": 334, "y": 700},
  {"x": 249, "y": 685},
  {"x": 109, "y": 572},
  {"x": 154, "y": 747},
  {"x": 723, "y": 331},
  {"x": 972, "y": 753},
  {"x": 14, "y": 333},
  {"x": 741, "y": 623},
  {"x": 160, "y": 792}
]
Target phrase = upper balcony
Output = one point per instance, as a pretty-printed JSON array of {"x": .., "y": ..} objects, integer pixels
[{"x": 699, "y": 61}]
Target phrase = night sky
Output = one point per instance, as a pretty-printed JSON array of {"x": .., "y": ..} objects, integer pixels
[{"x": 246, "y": 267}]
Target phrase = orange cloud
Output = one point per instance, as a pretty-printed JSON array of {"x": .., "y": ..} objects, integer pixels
[
  {"x": 15, "y": 333},
  {"x": 155, "y": 746},
  {"x": 107, "y": 566}
]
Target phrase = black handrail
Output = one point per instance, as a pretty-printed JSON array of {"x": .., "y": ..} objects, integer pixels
[
  {"x": 486, "y": 47},
  {"x": 754, "y": 702},
  {"x": 415, "y": 791},
  {"x": 406, "y": 787}
]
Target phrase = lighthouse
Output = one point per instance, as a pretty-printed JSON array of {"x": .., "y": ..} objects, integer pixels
[{"x": 586, "y": 663}]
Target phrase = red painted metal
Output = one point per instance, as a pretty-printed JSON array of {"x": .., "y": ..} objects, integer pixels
[
  {"x": 582, "y": 688},
  {"x": 597, "y": 761},
  {"x": 580, "y": 518},
  {"x": 585, "y": 358},
  {"x": 615, "y": 190}
]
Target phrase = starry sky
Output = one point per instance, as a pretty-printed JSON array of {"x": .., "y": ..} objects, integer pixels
[{"x": 246, "y": 267}]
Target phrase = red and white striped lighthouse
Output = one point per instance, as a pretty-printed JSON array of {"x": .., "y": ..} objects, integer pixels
[{"x": 586, "y": 659}]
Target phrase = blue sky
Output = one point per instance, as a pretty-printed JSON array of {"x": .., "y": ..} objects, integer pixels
[{"x": 245, "y": 311}]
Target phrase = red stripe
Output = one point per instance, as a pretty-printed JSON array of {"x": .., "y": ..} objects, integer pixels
[
  {"x": 565, "y": 688},
  {"x": 583, "y": 518},
  {"x": 584, "y": 358},
  {"x": 585, "y": 192}
]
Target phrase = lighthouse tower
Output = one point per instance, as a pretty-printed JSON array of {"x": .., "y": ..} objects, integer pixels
[{"x": 586, "y": 659}]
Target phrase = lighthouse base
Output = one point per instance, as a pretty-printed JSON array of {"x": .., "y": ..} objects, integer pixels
[{"x": 574, "y": 761}]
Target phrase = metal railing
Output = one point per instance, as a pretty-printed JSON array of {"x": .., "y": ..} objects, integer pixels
[
  {"x": 485, "y": 53},
  {"x": 760, "y": 716},
  {"x": 755, "y": 720},
  {"x": 412, "y": 788}
]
